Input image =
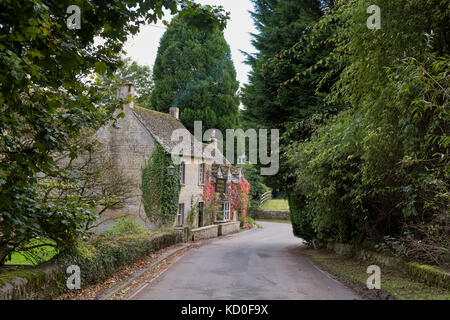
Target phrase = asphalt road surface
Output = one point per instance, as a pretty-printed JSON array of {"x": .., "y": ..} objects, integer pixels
[{"x": 265, "y": 264}]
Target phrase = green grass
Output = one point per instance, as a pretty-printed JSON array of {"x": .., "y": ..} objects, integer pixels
[
  {"x": 274, "y": 220},
  {"x": 37, "y": 256},
  {"x": 395, "y": 282},
  {"x": 276, "y": 205}
]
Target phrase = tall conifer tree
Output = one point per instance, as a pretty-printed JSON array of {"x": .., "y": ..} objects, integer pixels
[{"x": 194, "y": 72}]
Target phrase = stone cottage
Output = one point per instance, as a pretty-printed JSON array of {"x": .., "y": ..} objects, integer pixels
[{"x": 131, "y": 144}]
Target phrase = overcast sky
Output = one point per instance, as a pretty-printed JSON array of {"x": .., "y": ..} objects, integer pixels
[{"x": 144, "y": 46}]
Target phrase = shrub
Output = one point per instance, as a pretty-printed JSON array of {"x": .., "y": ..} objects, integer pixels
[
  {"x": 252, "y": 222},
  {"x": 126, "y": 226},
  {"x": 102, "y": 256}
]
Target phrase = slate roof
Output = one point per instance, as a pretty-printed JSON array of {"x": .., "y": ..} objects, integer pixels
[{"x": 162, "y": 125}]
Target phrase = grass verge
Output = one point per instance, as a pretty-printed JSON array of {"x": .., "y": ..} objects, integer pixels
[
  {"x": 276, "y": 205},
  {"x": 274, "y": 220},
  {"x": 34, "y": 256},
  {"x": 393, "y": 281}
]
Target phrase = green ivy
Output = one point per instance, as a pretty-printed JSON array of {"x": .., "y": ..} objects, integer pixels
[
  {"x": 160, "y": 189},
  {"x": 192, "y": 216}
]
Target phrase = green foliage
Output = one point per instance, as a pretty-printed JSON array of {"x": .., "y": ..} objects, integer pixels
[
  {"x": 48, "y": 98},
  {"x": 194, "y": 72},
  {"x": 102, "y": 256},
  {"x": 241, "y": 220},
  {"x": 280, "y": 22},
  {"x": 252, "y": 222},
  {"x": 276, "y": 205},
  {"x": 34, "y": 256},
  {"x": 252, "y": 175},
  {"x": 126, "y": 227},
  {"x": 130, "y": 71},
  {"x": 270, "y": 98},
  {"x": 192, "y": 215},
  {"x": 160, "y": 190},
  {"x": 378, "y": 172}
]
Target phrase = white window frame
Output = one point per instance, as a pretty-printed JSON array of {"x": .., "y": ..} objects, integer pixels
[
  {"x": 180, "y": 214},
  {"x": 226, "y": 210}
]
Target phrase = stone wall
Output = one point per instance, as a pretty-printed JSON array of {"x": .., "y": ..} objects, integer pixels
[
  {"x": 431, "y": 275},
  {"x": 228, "y": 228},
  {"x": 204, "y": 233},
  {"x": 191, "y": 190},
  {"x": 130, "y": 145},
  {"x": 269, "y": 214},
  {"x": 49, "y": 280},
  {"x": 31, "y": 283}
]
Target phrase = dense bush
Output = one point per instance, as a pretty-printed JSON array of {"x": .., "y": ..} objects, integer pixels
[
  {"x": 125, "y": 226},
  {"x": 101, "y": 256},
  {"x": 378, "y": 172}
]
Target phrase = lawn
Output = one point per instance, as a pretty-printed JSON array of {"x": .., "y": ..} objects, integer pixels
[
  {"x": 37, "y": 256},
  {"x": 276, "y": 204},
  {"x": 393, "y": 281}
]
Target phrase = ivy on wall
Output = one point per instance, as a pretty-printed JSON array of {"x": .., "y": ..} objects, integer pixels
[
  {"x": 192, "y": 216},
  {"x": 210, "y": 199},
  {"x": 160, "y": 188}
]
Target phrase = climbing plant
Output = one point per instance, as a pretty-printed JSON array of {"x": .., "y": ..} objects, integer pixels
[
  {"x": 192, "y": 216},
  {"x": 160, "y": 188},
  {"x": 210, "y": 198}
]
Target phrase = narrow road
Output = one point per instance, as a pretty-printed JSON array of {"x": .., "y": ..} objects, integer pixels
[{"x": 264, "y": 264}]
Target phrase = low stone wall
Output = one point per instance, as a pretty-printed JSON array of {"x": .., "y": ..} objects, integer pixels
[
  {"x": 269, "y": 214},
  {"x": 33, "y": 283},
  {"x": 228, "y": 228},
  {"x": 47, "y": 281},
  {"x": 204, "y": 233},
  {"x": 429, "y": 274}
]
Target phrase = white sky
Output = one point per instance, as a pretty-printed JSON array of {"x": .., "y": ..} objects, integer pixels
[{"x": 144, "y": 46}]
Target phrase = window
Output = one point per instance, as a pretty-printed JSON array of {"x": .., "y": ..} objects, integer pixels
[
  {"x": 202, "y": 173},
  {"x": 180, "y": 215},
  {"x": 200, "y": 214},
  {"x": 226, "y": 210},
  {"x": 182, "y": 170}
]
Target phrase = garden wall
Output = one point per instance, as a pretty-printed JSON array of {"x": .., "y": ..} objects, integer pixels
[
  {"x": 204, "y": 233},
  {"x": 97, "y": 261},
  {"x": 228, "y": 228},
  {"x": 431, "y": 275},
  {"x": 269, "y": 214}
]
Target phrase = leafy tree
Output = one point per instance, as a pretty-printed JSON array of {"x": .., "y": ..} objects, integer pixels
[
  {"x": 271, "y": 100},
  {"x": 280, "y": 24},
  {"x": 252, "y": 175},
  {"x": 378, "y": 172},
  {"x": 48, "y": 99},
  {"x": 194, "y": 72},
  {"x": 130, "y": 71}
]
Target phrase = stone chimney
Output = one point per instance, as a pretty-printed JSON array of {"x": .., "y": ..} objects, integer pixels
[
  {"x": 213, "y": 140},
  {"x": 175, "y": 112},
  {"x": 125, "y": 90}
]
